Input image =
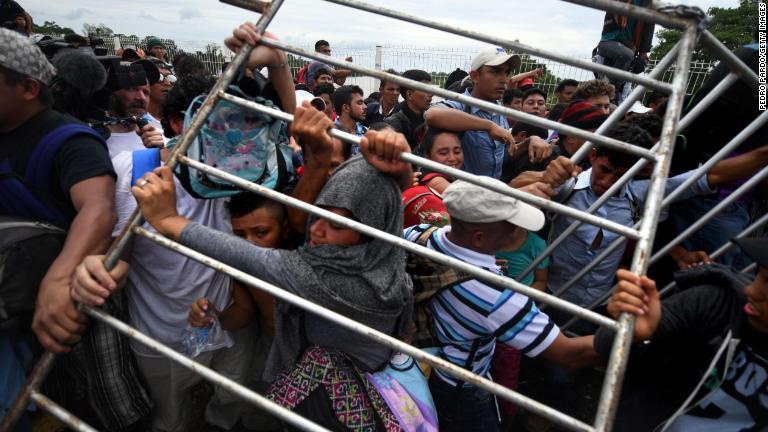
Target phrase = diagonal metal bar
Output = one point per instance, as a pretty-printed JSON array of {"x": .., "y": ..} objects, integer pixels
[
  {"x": 485, "y": 105},
  {"x": 636, "y": 94},
  {"x": 641, "y": 13},
  {"x": 732, "y": 145},
  {"x": 60, "y": 413},
  {"x": 373, "y": 334},
  {"x": 707, "y": 100},
  {"x": 617, "y": 363},
  {"x": 491, "y": 278},
  {"x": 209, "y": 374},
  {"x": 760, "y": 176},
  {"x": 507, "y": 43},
  {"x": 737, "y": 66},
  {"x": 45, "y": 364},
  {"x": 252, "y": 5},
  {"x": 463, "y": 175}
]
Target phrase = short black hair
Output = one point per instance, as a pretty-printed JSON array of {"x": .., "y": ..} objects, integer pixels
[
  {"x": 44, "y": 96},
  {"x": 374, "y": 97},
  {"x": 650, "y": 122},
  {"x": 530, "y": 130},
  {"x": 325, "y": 88},
  {"x": 629, "y": 133},
  {"x": 343, "y": 96},
  {"x": 654, "y": 97},
  {"x": 320, "y": 43},
  {"x": 179, "y": 98},
  {"x": 510, "y": 95},
  {"x": 428, "y": 140},
  {"x": 246, "y": 202},
  {"x": 383, "y": 81},
  {"x": 566, "y": 83},
  {"x": 557, "y": 111},
  {"x": 415, "y": 75},
  {"x": 533, "y": 91},
  {"x": 322, "y": 71},
  {"x": 188, "y": 65}
]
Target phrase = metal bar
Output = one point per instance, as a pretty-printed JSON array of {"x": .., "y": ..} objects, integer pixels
[
  {"x": 494, "y": 279},
  {"x": 485, "y": 105},
  {"x": 251, "y": 5},
  {"x": 749, "y": 268},
  {"x": 707, "y": 100},
  {"x": 684, "y": 123},
  {"x": 749, "y": 184},
  {"x": 507, "y": 43},
  {"x": 33, "y": 383},
  {"x": 641, "y": 13},
  {"x": 229, "y": 74},
  {"x": 617, "y": 363},
  {"x": 463, "y": 175},
  {"x": 205, "y": 372},
  {"x": 375, "y": 335},
  {"x": 737, "y": 66},
  {"x": 636, "y": 94},
  {"x": 723, "y": 249},
  {"x": 733, "y": 144},
  {"x": 60, "y": 413}
]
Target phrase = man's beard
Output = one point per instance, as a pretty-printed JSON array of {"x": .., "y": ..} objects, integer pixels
[{"x": 121, "y": 110}]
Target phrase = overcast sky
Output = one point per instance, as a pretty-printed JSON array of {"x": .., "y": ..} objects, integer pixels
[{"x": 549, "y": 24}]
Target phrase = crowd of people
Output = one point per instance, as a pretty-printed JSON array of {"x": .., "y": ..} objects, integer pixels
[{"x": 73, "y": 127}]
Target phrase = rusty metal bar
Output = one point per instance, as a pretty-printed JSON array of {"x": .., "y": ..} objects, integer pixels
[
  {"x": 447, "y": 94},
  {"x": 35, "y": 379},
  {"x": 205, "y": 372},
  {"x": 641, "y": 13},
  {"x": 375, "y": 335},
  {"x": 507, "y": 43},
  {"x": 494, "y": 279},
  {"x": 614, "y": 374},
  {"x": 60, "y": 413},
  {"x": 455, "y": 173}
]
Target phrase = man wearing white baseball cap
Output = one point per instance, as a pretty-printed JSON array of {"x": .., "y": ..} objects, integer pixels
[
  {"x": 486, "y": 135},
  {"x": 470, "y": 316}
]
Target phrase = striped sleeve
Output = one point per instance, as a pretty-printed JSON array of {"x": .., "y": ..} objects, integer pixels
[{"x": 520, "y": 324}]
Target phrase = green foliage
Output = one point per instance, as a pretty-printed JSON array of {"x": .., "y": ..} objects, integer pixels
[
  {"x": 100, "y": 30},
  {"x": 734, "y": 27},
  {"x": 545, "y": 82},
  {"x": 50, "y": 27}
]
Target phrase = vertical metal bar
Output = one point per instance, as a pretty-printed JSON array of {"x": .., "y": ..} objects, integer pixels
[
  {"x": 609, "y": 397},
  {"x": 508, "y": 44},
  {"x": 737, "y": 66}
]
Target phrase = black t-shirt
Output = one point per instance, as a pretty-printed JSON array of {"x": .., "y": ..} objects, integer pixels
[
  {"x": 9, "y": 10},
  {"x": 80, "y": 158}
]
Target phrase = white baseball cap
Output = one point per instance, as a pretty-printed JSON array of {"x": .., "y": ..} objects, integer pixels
[
  {"x": 494, "y": 58},
  {"x": 317, "y": 102},
  {"x": 475, "y": 204}
]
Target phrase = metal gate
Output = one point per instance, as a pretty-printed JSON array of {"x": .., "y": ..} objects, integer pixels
[{"x": 694, "y": 31}]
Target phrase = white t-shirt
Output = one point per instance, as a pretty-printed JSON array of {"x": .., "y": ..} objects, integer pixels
[
  {"x": 119, "y": 142},
  {"x": 165, "y": 283}
]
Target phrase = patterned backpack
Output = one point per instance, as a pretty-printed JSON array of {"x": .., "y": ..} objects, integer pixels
[{"x": 242, "y": 142}]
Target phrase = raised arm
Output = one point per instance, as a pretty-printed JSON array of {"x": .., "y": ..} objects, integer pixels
[
  {"x": 458, "y": 121},
  {"x": 738, "y": 167},
  {"x": 382, "y": 149}
]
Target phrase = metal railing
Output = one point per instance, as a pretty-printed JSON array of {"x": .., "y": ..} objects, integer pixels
[{"x": 643, "y": 232}]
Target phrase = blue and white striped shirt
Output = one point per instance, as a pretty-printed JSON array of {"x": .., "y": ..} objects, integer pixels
[{"x": 475, "y": 311}]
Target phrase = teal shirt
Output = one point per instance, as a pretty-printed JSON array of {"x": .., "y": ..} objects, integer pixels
[{"x": 519, "y": 259}]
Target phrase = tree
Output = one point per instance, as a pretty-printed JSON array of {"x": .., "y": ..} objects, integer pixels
[
  {"x": 98, "y": 30},
  {"x": 51, "y": 28},
  {"x": 734, "y": 27}
]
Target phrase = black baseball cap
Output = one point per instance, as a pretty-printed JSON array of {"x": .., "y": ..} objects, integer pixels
[{"x": 755, "y": 248}]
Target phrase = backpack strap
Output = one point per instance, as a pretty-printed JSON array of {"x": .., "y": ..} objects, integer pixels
[
  {"x": 423, "y": 238},
  {"x": 38, "y": 173}
]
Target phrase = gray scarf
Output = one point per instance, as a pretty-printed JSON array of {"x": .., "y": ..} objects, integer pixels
[{"x": 366, "y": 282}]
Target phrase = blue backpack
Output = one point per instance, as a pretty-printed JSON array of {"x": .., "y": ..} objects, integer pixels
[
  {"x": 245, "y": 143},
  {"x": 28, "y": 196}
]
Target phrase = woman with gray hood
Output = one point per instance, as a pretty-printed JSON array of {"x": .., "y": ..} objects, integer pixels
[{"x": 317, "y": 365}]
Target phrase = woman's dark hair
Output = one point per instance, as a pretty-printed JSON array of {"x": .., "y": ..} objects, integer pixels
[
  {"x": 425, "y": 146},
  {"x": 179, "y": 98}
]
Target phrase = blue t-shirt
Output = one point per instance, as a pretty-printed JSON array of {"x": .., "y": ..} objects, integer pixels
[{"x": 519, "y": 259}]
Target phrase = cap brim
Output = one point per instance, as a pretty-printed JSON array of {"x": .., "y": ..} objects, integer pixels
[
  {"x": 527, "y": 217},
  {"x": 513, "y": 60},
  {"x": 755, "y": 248}
]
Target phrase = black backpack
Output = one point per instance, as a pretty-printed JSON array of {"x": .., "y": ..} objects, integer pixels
[{"x": 27, "y": 249}]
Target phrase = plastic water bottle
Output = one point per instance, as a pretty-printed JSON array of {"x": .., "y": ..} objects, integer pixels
[{"x": 197, "y": 339}]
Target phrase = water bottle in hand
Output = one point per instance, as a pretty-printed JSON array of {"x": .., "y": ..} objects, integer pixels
[{"x": 197, "y": 339}]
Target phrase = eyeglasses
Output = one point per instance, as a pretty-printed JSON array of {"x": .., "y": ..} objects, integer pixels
[{"x": 169, "y": 77}]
